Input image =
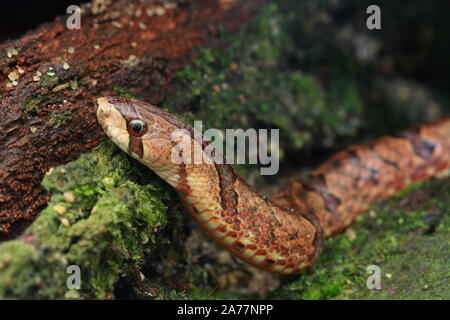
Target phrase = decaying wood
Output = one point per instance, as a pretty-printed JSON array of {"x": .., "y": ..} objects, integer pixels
[{"x": 51, "y": 77}]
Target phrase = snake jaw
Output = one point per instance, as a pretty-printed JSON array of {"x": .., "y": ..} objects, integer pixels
[
  {"x": 112, "y": 123},
  {"x": 101, "y": 102},
  {"x": 103, "y": 109}
]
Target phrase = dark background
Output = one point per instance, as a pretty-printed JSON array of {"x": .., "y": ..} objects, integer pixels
[{"x": 17, "y": 17}]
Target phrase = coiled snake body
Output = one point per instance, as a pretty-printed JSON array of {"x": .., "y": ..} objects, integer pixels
[{"x": 283, "y": 235}]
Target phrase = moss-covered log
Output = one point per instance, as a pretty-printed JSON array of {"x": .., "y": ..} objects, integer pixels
[
  {"x": 51, "y": 76},
  {"x": 105, "y": 217}
]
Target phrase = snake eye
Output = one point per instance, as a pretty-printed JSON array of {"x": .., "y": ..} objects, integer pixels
[{"x": 137, "y": 128}]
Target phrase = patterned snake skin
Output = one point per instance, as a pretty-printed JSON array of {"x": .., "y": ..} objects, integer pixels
[{"x": 283, "y": 235}]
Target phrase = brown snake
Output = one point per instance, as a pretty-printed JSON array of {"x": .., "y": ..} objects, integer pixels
[{"x": 283, "y": 235}]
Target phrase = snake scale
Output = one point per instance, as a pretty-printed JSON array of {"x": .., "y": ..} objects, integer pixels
[{"x": 283, "y": 235}]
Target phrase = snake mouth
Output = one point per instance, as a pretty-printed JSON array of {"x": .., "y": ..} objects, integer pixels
[
  {"x": 101, "y": 102},
  {"x": 103, "y": 109}
]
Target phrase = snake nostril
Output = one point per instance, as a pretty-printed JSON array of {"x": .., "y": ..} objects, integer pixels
[{"x": 105, "y": 113}]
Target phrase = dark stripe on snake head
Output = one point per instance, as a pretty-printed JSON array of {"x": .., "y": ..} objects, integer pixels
[{"x": 136, "y": 146}]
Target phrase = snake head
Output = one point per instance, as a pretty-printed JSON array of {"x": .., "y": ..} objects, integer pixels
[{"x": 140, "y": 129}]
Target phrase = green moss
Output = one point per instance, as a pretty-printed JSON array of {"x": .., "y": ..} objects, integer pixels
[
  {"x": 59, "y": 118},
  {"x": 113, "y": 221},
  {"x": 25, "y": 272},
  {"x": 123, "y": 93},
  {"x": 48, "y": 80},
  {"x": 253, "y": 84},
  {"x": 36, "y": 101},
  {"x": 33, "y": 103}
]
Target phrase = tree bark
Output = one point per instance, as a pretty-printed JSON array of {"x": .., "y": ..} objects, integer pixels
[{"x": 51, "y": 77}]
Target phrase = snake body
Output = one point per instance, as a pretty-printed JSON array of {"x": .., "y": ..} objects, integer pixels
[{"x": 283, "y": 235}]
